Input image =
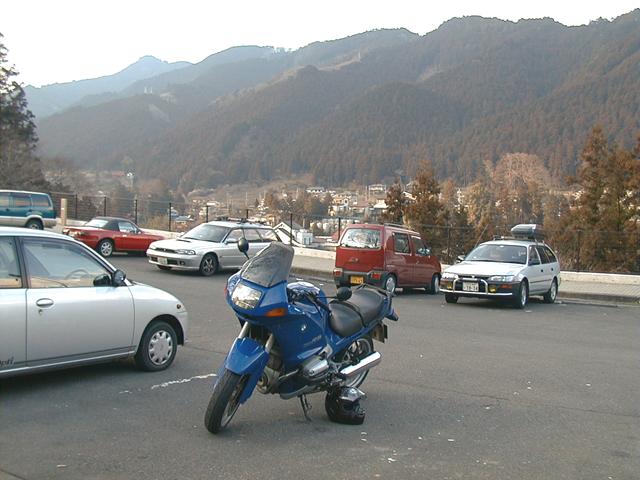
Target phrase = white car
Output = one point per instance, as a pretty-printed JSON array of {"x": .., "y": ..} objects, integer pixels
[
  {"x": 210, "y": 247},
  {"x": 508, "y": 268},
  {"x": 62, "y": 305}
]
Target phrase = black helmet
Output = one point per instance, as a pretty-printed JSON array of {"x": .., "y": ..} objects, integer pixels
[{"x": 343, "y": 405}]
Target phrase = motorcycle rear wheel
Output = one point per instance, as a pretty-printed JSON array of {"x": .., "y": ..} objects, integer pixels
[
  {"x": 359, "y": 349},
  {"x": 225, "y": 401}
]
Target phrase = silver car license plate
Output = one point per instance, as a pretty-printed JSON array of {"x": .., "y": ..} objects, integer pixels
[
  {"x": 469, "y": 287},
  {"x": 162, "y": 261}
]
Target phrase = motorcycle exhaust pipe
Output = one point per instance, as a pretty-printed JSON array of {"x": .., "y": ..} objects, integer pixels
[{"x": 366, "y": 363}]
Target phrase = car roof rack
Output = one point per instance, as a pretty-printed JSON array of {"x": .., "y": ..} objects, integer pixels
[
  {"x": 226, "y": 218},
  {"x": 530, "y": 231},
  {"x": 524, "y": 231}
]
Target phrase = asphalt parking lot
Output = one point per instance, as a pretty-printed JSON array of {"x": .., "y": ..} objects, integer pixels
[{"x": 473, "y": 390}]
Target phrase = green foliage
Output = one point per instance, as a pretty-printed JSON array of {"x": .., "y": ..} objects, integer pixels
[
  {"x": 19, "y": 167},
  {"x": 396, "y": 204},
  {"x": 602, "y": 227},
  {"x": 426, "y": 213}
]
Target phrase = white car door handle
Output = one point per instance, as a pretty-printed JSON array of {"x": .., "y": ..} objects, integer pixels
[{"x": 44, "y": 302}]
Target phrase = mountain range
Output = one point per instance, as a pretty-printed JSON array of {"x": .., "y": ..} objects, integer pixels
[
  {"x": 50, "y": 99},
  {"x": 368, "y": 107}
]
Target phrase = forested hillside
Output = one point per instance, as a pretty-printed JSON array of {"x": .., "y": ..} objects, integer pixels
[
  {"x": 105, "y": 133},
  {"x": 372, "y": 106}
]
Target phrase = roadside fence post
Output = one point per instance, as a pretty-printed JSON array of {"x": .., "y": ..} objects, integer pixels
[
  {"x": 135, "y": 210},
  {"x": 339, "y": 227},
  {"x": 63, "y": 211},
  {"x": 579, "y": 248},
  {"x": 170, "y": 207},
  {"x": 206, "y": 213},
  {"x": 291, "y": 228},
  {"x": 75, "y": 206},
  {"x": 104, "y": 206},
  {"x": 638, "y": 252}
]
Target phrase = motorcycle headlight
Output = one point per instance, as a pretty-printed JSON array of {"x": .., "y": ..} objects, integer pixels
[
  {"x": 245, "y": 297},
  {"x": 502, "y": 278},
  {"x": 185, "y": 252},
  {"x": 449, "y": 276}
]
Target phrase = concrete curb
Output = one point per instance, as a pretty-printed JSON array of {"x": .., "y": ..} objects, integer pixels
[
  {"x": 610, "y": 278},
  {"x": 599, "y": 297}
]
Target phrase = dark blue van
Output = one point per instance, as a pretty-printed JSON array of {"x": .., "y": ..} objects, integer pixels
[{"x": 26, "y": 209}]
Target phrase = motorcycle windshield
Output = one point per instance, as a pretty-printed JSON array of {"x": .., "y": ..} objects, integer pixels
[{"x": 270, "y": 266}]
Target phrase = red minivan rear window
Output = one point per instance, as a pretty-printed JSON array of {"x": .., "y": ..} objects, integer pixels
[{"x": 361, "y": 238}]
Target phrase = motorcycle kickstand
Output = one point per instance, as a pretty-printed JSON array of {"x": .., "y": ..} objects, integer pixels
[{"x": 306, "y": 407}]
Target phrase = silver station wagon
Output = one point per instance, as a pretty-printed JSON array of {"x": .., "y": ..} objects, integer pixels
[
  {"x": 210, "y": 247},
  {"x": 507, "y": 268},
  {"x": 63, "y": 305}
]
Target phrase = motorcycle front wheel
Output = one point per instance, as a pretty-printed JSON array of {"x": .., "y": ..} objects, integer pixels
[
  {"x": 351, "y": 355},
  {"x": 225, "y": 401}
]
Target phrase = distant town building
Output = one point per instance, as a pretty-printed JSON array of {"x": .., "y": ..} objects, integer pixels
[
  {"x": 377, "y": 188},
  {"x": 317, "y": 190}
]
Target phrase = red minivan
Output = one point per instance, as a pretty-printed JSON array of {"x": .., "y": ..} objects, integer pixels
[{"x": 386, "y": 255}]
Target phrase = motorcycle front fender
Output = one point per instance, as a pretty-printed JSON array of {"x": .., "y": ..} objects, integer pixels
[{"x": 247, "y": 357}]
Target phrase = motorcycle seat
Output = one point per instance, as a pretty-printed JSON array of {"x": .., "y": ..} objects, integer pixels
[
  {"x": 369, "y": 303},
  {"x": 344, "y": 319},
  {"x": 347, "y": 317}
]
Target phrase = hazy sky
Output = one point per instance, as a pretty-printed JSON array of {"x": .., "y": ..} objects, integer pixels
[{"x": 62, "y": 40}]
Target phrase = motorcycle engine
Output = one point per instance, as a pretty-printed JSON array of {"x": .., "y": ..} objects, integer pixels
[{"x": 315, "y": 368}]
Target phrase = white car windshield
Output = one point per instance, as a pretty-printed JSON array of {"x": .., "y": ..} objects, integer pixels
[
  {"x": 499, "y": 253},
  {"x": 206, "y": 232}
]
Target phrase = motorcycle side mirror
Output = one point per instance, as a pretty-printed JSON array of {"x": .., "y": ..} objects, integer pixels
[
  {"x": 343, "y": 293},
  {"x": 243, "y": 245}
]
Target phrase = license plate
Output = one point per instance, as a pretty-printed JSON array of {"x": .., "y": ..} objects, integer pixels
[
  {"x": 162, "y": 261},
  {"x": 469, "y": 287},
  {"x": 356, "y": 280}
]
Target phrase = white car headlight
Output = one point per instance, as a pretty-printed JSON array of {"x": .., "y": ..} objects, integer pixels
[
  {"x": 502, "y": 278},
  {"x": 449, "y": 276},
  {"x": 245, "y": 297},
  {"x": 185, "y": 252},
  {"x": 152, "y": 246}
]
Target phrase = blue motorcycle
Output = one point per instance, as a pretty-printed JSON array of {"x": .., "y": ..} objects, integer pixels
[{"x": 295, "y": 341}]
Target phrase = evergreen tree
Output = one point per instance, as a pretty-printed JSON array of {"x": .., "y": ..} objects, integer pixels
[
  {"x": 426, "y": 213},
  {"x": 19, "y": 167},
  {"x": 396, "y": 203},
  {"x": 600, "y": 230}
]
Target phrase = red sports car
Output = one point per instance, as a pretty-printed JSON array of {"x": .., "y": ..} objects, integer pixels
[{"x": 110, "y": 234}]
